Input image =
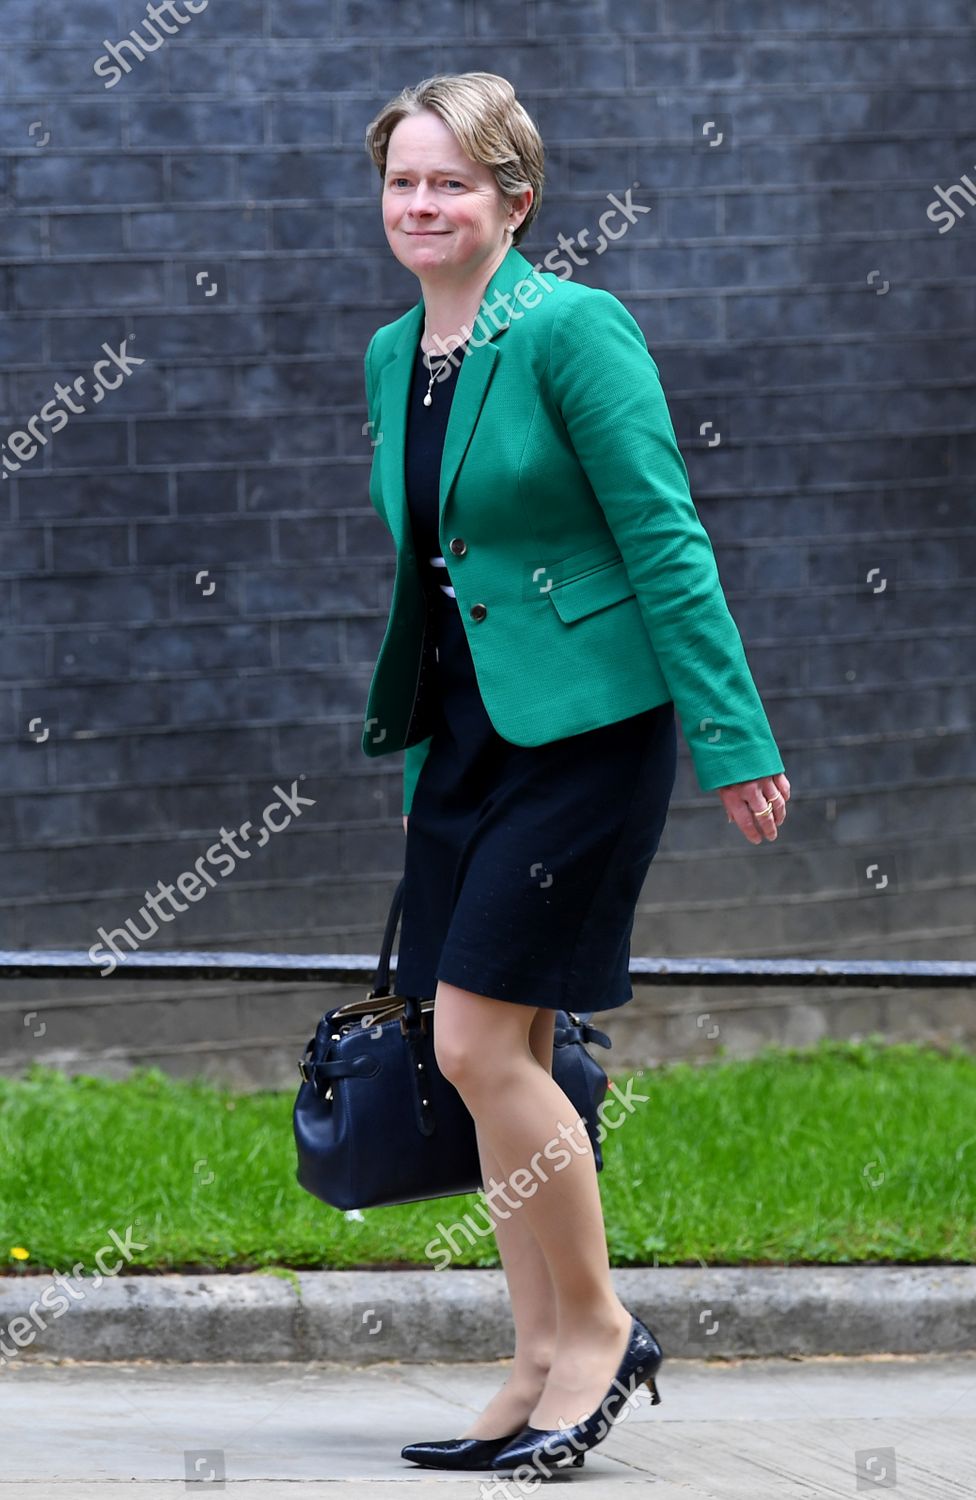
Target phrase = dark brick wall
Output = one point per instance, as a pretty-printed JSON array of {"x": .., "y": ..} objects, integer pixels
[{"x": 792, "y": 287}]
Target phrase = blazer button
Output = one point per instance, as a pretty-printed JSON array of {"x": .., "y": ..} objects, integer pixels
[
  {"x": 458, "y": 546},
  {"x": 478, "y": 611}
]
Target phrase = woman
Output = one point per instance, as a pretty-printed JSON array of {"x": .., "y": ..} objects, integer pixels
[{"x": 556, "y": 602}]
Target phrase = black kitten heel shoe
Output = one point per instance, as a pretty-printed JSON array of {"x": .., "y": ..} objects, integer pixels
[
  {"x": 564, "y": 1447},
  {"x": 462, "y": 1453}
]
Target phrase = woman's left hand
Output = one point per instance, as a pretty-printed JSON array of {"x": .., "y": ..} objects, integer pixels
[{"x": 744, "y": 802}]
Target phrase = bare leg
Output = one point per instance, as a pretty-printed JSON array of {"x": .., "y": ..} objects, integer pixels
[
  {"x": 530, "y": 1286},
  {"x": 483, "y": 1048}
]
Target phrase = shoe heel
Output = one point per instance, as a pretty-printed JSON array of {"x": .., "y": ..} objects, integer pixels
[
  {"x": 578, "y": 1461},
  {"x": 655, "y": 1393}
]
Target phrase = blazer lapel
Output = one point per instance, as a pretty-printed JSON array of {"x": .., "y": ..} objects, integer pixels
[{"x": 472, "y": 383}]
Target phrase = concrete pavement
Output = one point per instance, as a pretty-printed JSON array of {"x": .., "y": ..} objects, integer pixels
[{"x": 747, "y": 1430}]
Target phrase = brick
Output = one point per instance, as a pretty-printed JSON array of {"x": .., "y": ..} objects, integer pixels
[
  {"x": 570, "y": 17},
  {"x": 309, "y": 332},
  {"x": 199, "y": 388},
  {"x": 163, "y": 441},
  {"x": 92, "y": 653},
  {"x": 129, "y": 599},
  {"x": 224, "y": 230},
  {"x": 128, "y": 495},
  {"x": 206, "y": 491},
  {"x": 82, "y": 548},
  {"x": 601, "y": 65},
  {"x": 21, "y": 549},
  {"x": 306, "y": 121},
  {"x": 82, "y": 233},
  {"x": 82, "y": 124},
  {"x": 198, "y": 63},
  {"x": 195, "y": 122},
  {"x": 222, "y": 542},
  {"x": 133, "y": 282},
  {"x": 245, "y": 18},
  {"x": 309, "y": 644},
  {"x": 20, "y": 235},
  {"x": 200, "y": 179},
  {"x": 319, "y": 176},
  {"x": 285, "y": 67},
  {"x": 303, "y": 228},
  {"x": 23, "y": 658},
  {"x": 303, "y": 18},
  {"x": 88, "y": 180},
  {"x": 776, "y": 15},
  {"x": 310, "y": 536}
]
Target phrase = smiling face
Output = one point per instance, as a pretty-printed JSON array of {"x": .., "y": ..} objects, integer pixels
[{"x": 443, "y": 213}]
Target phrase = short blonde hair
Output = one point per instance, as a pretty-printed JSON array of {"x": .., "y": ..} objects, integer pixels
[{"x": 490, "y": 124}]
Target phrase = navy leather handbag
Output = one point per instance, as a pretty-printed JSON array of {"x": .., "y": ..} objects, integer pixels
[{"x": 375, "y": 1120}]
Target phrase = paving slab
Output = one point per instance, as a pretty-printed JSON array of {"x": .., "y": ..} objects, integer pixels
[{"x": 725, "y": 1430}]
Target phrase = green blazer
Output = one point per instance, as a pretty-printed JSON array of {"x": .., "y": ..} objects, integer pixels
[{"x": 587, "y": 585}]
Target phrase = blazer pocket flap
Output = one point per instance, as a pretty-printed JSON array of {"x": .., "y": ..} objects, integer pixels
[{"x": 575, "y": 597}]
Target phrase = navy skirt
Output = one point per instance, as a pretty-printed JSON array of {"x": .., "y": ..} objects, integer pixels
[{"x": 524, "y": 864}]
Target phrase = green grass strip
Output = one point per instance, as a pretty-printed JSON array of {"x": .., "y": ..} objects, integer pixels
[{"x": 838, "y": 1154}]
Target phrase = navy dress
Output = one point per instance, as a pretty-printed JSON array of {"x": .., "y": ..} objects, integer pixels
[{"x": 524, "y": 864}]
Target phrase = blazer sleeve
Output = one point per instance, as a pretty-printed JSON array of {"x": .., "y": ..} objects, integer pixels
[{"x": 608, "y": 391}]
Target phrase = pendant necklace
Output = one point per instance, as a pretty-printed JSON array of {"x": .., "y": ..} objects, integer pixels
[{"x": 428, "y": 401}]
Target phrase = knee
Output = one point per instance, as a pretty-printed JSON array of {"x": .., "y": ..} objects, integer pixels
[
  {"x": 458, "y": 1058},
  {"x": 479, "y": 1069},
  {"x": 478, "y": 1047}
]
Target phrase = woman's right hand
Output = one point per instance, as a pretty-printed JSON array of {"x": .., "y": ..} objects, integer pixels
[{"x": 405, "y": 817}]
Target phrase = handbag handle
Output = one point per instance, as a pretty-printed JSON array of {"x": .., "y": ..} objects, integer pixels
[
  {"x": 381, "y": 979},
  {"x": 413, "y": 1016}
]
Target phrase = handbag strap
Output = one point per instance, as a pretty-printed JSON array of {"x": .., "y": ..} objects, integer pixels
[
  {"x": 579, "y": 1031},
  {"x": 413, "y": 1024},
  {"x": 362, "y": 1066},
  {"x": 412, "y": 1013},
  {"x": 381, "y": 978}
]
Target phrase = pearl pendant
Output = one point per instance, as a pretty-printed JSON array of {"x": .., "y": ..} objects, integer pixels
[{"x": 427, "y": 400}]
